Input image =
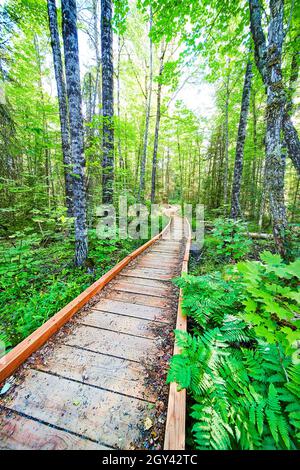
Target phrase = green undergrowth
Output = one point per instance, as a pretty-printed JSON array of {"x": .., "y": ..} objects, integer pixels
[
  {"x": 38, "y": 276},
  {"x": 240, "y": 359}
]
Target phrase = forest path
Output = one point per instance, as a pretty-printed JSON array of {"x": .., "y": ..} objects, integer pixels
[{"x": 86, "y": 388}]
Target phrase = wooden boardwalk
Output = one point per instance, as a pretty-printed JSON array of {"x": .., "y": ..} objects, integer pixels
[{"x": 85, "y": 389}]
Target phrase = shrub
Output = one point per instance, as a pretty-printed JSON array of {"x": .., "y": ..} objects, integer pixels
[
  {"x": 244, "y": 384},
  {"x": 233, "y": 242}
]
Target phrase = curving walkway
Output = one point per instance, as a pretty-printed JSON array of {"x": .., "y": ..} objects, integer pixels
[{"x": 85, "y": 389}]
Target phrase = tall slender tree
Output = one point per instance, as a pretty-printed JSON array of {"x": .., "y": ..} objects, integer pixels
[
  {"x": 268, "y": 59},
  {"x": 147, "y": 119},
  {"x": 62, "y": 104},
  {"x": 157, "y": 122},
  {"x": 70, "y": 39},
  {"x": 107, "y": 101},
  {"x": 226, "y": 137},
  {"x": 240, "y": 143},
  {"x": 263, "y": 53}
]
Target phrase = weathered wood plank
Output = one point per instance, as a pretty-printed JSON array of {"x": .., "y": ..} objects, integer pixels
[
  {"x": 125, "y": 308},
  {"x": 157, "y": 264},
  {"x": 139, "y": 299},
  {"x": 120, "y": 323},
  {"x": 137, "y": 288},
  {"x": 21, "y": 433},
  {"x": 100, "y": 415},
  {"x": 144, "y": 281},
  {"x": 149, "y": 274},
  {"x": 125, "y": 346},
  {"x": 111, "y": 373}
]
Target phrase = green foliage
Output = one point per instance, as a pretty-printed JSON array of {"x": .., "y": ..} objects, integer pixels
[
  {"x": 233, "y": 242},
  {"x": 272, "y": 299},
  {"x": 208, "y": 298},
  {"x": 245, "y": 384}
]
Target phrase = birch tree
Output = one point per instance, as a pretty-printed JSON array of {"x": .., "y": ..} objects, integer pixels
[
  {"x": 147, "y": 119},
  {"x": 263, "y": 57},
  {"x": 70, "y": 39},
  {"x": 268, "y": 59},
  {"x": 107, "y": 101},
  {"x": 239, "y": 153},
  {"x": 62, "y": 104},
  {"x": 157, "y": 121}
]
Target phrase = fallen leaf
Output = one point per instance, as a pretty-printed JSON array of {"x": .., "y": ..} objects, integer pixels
[
  {"x": 147, "y": 424},
  {"x": 5, "y": 388}
]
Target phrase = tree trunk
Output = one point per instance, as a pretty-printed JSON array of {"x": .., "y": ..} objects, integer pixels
[
  {"x": 147, "y": 121},
  {"x": 268, "y": 60},
  {"x": 157, "y": 123},
  {"x": 107, "y": 101},
  {"x": 121, "y": 160},
  {"x": 261, "y": 59},
  {"x": 62, "y": 104},
  {"x": 239, "y": 153},
  {"x": 255, "y": 163},
  {"x": 290, "y": 133},
  {"x": 70, "y": 38},
  {"x": 226, "y": 145},
  {"x": 275, "y": 110},
  {"x": 97, "y": 53}
]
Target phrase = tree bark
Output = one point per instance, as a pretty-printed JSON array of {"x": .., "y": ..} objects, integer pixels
[
  {"x": 70, "y": 38},
  {"x": 97, "y": 93},
  {"x": 239, "y": 153},
  {"x": 226, "y": 131},
  {"x": 261, "y": 59},
  {"x": 107, "y": 101},
  {"x": 62, "y": 105},
  {"x": 121, "y": 160},
  {"x": 275, "y": 109},
  {"x": 268, "y": 60},
  {"x": 290, "y": 133},
  {"x": 157, "y": 122},
  {"x": 147, "y": 120}
]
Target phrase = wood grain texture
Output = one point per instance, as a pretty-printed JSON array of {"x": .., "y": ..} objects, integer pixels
[
  {"x": 121, "y": 345},
  {"x": 107, "y": 372},
  {"x": 119, "y": 323},
  {"x": 132, "y": 310},
  {"x": 97, "y": 414},
  {"x": 137, "y": 288},
  {"x": 176, "y": 415},
  {"x": 21, "y": 433}
]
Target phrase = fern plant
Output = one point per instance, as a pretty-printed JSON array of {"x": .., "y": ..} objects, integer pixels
[{"x": 245, "y": 390}]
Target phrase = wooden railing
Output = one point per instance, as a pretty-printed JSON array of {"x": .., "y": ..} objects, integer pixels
[{"x": 176, "y": 414}]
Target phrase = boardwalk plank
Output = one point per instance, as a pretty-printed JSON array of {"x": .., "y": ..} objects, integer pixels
[
  {"x": 111, "y": 373},
  {"x": 21, "y": 433},
  {"x": 105, "y": 417},
  {"x": 140, "y": 299},
  {"x": 132, "y": 310},
  {"x": 120, "y": 323},
  {"x": 148, "y": 273},
  {"x": 121, "y": 345},
  {"x": 137, "y": 288},
  {"x": 143, "y": 281}
]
